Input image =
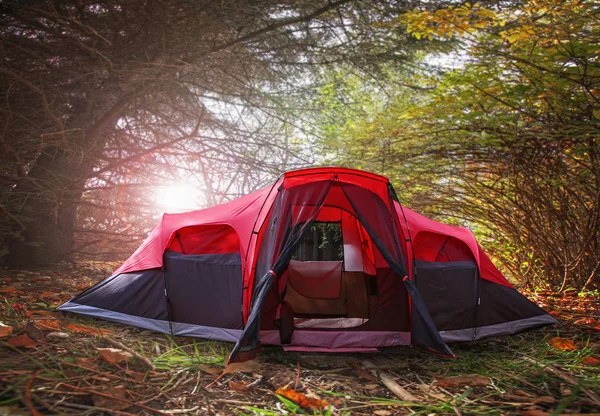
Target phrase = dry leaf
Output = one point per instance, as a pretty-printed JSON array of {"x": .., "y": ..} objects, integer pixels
[
  {"x": 113, "y": 355},
  {"x": 382, "y": 412},
  {"x": 8, "y": 290},
  {"x": 562, "y": 344},
  {"x": 22, "y": 341},
  {"x": 544, "y": 400},
  {"x": 306, "y": 402},
  {"x": 468, "y": 380},
  {"x": 246, "y": 367},
  {"x": 33, "y": 331},
  {"x": 48, "y": 295},
  {"x": 5, "y": 330},
  {"x": 361, "y": 373},
  {"x": 88, "y": 330},
  {"x": 591, "y": 361},
  {"x": 90, "y": 363},
  {"x": 49, "y": 324},
  {"x": 209, "y": 370},
  {"x": 555, "y": 314},
  {"x": 239, "y": 387},
  {"x": 118, "y": 392},
  {"x": 585, "y": 321}
]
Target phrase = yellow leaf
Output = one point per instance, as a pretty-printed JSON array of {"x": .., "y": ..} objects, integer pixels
[{"x": 596, "y": 114}]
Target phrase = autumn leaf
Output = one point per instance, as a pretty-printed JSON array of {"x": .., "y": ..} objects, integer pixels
[
  {"x": 49, "y": 324},
  {"x": 562, "y": 344},
  {"x": 22, "y": 340},
  {"x": 239, "y": 387},
  {"x": 468, "y": 380},
  {"x": 113, "y": 355},
  {"x": 245, "y": 367},
  {"x": 585, "y": 321},
  {"x": 5, "y": 330},
  {"x": 8, "y": 290},
  {"x": 209, "y": 370},
  {"x": 88, "y": 330},
  {"x": 555, "y": 314},
  {"x": 118, "y": 392},
  {"x": 306, "y": 402},
  {"x": 90, "y": 363},
  {"x": 591, "y": 361}
]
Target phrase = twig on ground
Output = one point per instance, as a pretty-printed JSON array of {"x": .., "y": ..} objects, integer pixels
[
  {"x": 181, "y": 411},
  {"x": 28, "y": 400},
  {"x": 96, "y": 408},
  {"x": 553, "y": 369},
  {"x": 98, "y": 393},
  {"x": 132, "y": 352},
  {"x": 390, "y": 383}
]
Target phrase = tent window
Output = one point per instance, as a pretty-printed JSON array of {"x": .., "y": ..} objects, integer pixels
[{"x": 324, "y": 242}]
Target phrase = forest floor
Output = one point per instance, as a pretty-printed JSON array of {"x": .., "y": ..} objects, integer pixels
[{"x": 61, "y": 363}]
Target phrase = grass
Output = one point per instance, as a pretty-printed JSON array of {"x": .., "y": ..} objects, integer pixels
[{"x": 525, "y": 372}]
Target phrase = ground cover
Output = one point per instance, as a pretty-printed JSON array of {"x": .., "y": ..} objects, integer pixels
[{"x": 59, "y": 363}]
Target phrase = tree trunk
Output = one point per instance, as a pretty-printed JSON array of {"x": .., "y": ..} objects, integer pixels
[{"x": 47, "y": 199}]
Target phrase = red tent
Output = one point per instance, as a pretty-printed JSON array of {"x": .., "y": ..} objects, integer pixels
[{"x": 239, "y": 272}]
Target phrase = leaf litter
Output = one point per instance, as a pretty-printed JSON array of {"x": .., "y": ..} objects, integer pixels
[{"x": 52, "y": 362}]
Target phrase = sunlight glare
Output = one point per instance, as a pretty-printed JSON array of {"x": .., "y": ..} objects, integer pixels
[{"x": 179, "y": 197}]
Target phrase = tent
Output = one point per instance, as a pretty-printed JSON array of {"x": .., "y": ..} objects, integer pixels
[{"x": 236, "y": 272}]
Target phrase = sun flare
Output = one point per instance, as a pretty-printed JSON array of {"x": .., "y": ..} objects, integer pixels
[{"x": 179, "y": 197}]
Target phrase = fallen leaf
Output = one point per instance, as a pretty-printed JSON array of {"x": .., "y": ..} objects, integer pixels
[
  {"x": 555, "y": 314},
  {"x": 585, "y": 321},
  {"x": 468, "y": 380},
  {"x": 90, "y": 363},
  {"x": 8, "y": 290},
  {"x": 48, "y": 295},
  {"x": 88, "y": 330},
  {"x": 361, "y": 373},
  {"x": 118, "y": 392},
  {"x": 33, "y": 331},
  {"x": 239, "y": 387},
  {"x": 547, "y": 400},
  {"x": 22, "y": 340},
  {"x": 591, "y": 361},
  {"x": 246, "y": 367},
  {"x": 82, "y": 286},
  {"x": 49, "y": 324},
  {"x": 5, "y": 330},
  {"x": 562, "y": 344},
  {"x": 209, "y": 370},
  {"x": 306, "y": 402},
  {"x": 382, "y": 412},
  {"x": 113, "y": 355}
]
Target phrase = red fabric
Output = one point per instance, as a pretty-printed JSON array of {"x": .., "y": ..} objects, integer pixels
[
  {"x": 426, "y": 244},
  {"x": 238, "y": 224},
  {"x": 316, "y": 279},
  {"x": 239, "y": 214},
  {"x": 206, "y": 239}
]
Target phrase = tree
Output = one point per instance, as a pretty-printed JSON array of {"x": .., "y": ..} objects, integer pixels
[
  {"x": 95, "y": 93},
  {"x": 507, "y": 140}
]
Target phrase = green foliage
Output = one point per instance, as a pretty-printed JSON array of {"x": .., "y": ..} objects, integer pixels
[{"x": 506, "y": 142}]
